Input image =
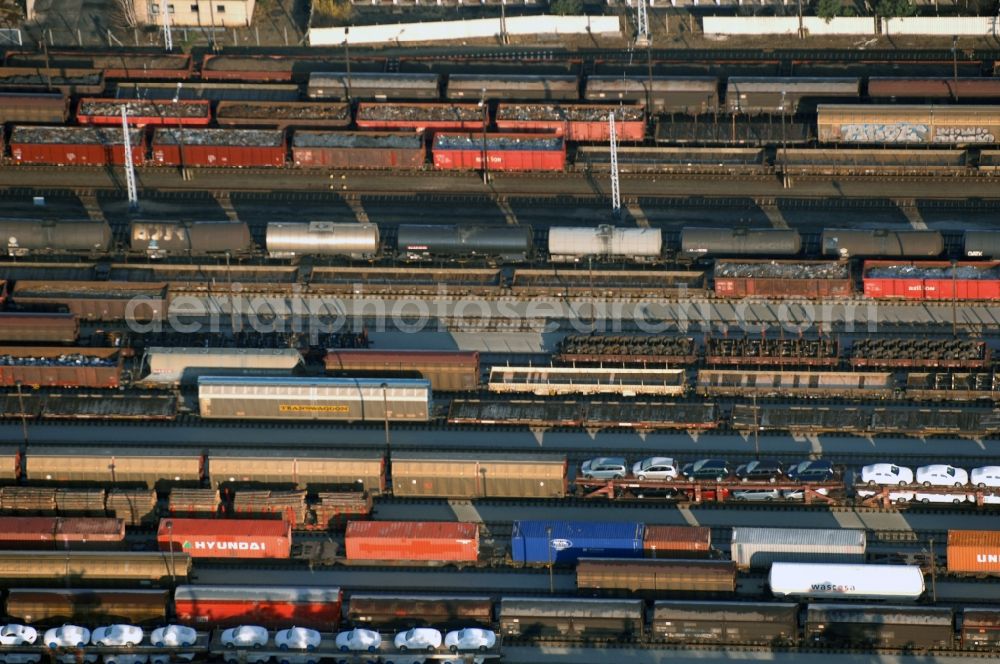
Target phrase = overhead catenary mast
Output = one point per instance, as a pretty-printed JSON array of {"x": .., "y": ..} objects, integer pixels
[
  {"x": 616, "y": 196},
  {"x": 642, "y": 23},
  {"x": 168, "y": 38},
  {"x": 133, "y": 193}
]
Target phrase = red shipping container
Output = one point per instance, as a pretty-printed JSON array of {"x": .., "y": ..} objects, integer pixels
[
  {"x": 677, "y": 541},
  {"x": 270, "y": 606},
  {"x": 412, "y": 540},
  {"x": 974, "y": 551},
  {"x": 221, "y": 538},
  {"x": 21, "y": 532}
]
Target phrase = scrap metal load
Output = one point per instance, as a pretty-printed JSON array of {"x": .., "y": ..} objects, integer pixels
[
  {"x": 626, "y": 349},
  {"x": 61, "y": 367},
  {"x": 75, "y": 146},
  {"x": 748, "y": 350},
  {"x": 219, "y": 147},
  {"x": 932, "y": 280},
  {"x": 282, "y": 114},
  {"x": 452, "y": 117},
  {"x": 358, "y": 150},
  {"x": 576, "y": 122},
  {"x": 503, "y": 152},
  {"x": 142, "y": 113},
  {"x": 779, "y": 279},
  {"x": 69, "y": 81},
  {"x": 881, "y": 352}
]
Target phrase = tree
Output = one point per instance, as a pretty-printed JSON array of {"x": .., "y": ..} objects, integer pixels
[
  {"x": 890, "y": 8},
  {"x": 828, "y": 9},
  {"x": 566, "y": 7}
]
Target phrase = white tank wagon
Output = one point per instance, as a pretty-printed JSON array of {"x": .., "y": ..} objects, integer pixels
[
  {"x": 816, "y": 580},
  {"x": 569, "y": 245},
  {"x": 173, "y": 366},
  {"x": 322, "y": 238},
  {"x": 550, "y": 381},
  {"x": 341, "y": 399}
]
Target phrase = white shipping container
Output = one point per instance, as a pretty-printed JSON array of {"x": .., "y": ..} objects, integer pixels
[
  {"x": 758, "y": 548},
  {"x": 898, "y": 582}
]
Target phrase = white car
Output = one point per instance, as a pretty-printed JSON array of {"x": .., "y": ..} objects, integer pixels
[
  {"x": 470, "y": 638},
  {"x": 19, "y": 658},
  {"x": 418, "y": 638},
  {"x": 297, "y": 638},
  {"x": 886, "y": 474},
  {"x": 67, "y": 636},
  {"x": 986, "y": 476},
  {"x": 173, "y": 636},
  {"x": 941, "y": 474},
  {"x": 244, "y": 636},
  {"x": 799, "y": 494},
  {"x": 898, "y": 497},
  {"x": 126, "y": 658},
  {"x": 117, "y": 635},
  {"x": 248, "y": 658},
  {"x": 358, "y": 640},
  {"x": 17, "y": 635},
  {"x": 953, "y": 498},
  {"x": 655, "y": 468}
]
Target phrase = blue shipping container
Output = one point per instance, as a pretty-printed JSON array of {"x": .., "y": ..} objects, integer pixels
[{"x": 567, "y": 541}]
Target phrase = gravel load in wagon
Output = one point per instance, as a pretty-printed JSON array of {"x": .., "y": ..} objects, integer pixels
[
  {"x": 329, "y": 139},
  {"x": 64, "y": 135},
  {"x": 139, "y": 108},
  {"x": 240, "y": 137},
  {"x": 417, "y": 112},
  {"x": 923, "y": 349},
  {"x": 115, "y": 407},
  {"x": 68, "y": 360},
  {"x": 919, "y": 272},
  {"x": 512, "y": 143},
  {"x": 104, "y": 291},
  {"x": 289, "y": 111},
  {"x": 775, "y": 270},
  {"x": 54, "y": 80},
  {"x": 571, "y": 113}
]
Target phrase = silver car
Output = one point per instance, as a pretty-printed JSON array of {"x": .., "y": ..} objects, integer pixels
[{"x": 604, "y": 468}]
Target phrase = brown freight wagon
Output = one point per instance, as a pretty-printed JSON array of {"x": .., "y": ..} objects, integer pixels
[
  {"x": 97, "y": 300},
  {"x": 974, "y": 552},
  {"x": 677, "y": 542},
  {"x": 448, "y": 371},
  {"x": 400, "y": 612},
  {"x": 933, "y": 89},
  {"x": 302, "y": 469},
  {"x": 869, "y": 626},
  {"x": 479, "y": 475},
  {"x": 572, "y": 618},
  {"x": 34, "y": 107},
  {"x": 162, "y": 66},
  {"x": 121, "y": 465},
  {"x": 980, "y": 629},
  {"x": 57, "y": 606},
  {"x": 103, "y": 568},
  {"x": 723, "y": 623},
  {"x": 44, "y": 366},
  {"x": 329, "y": 149},
  {"x": 657, "y": 576},
  {"x": 779, "y": 279},
  {"x": 282, "y": 114},
  {"x": 67, "y": 80},
  {"x": 39, "y": 328}
]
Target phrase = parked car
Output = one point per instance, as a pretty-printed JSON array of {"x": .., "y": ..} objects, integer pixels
[
  {"x": 358, "y": 640},
  {"x": 173, "y": 636},
  {"x": 886, "y": 474},
  {"x": 20, "y": 658},
  {"x": 604, "y": 468},
  {"x": 800, "y": 494},
  {"x": 812, "y": 470},
  {"x": 470, "y": 638},
  {"x": 418, "y": 638},
  {"x": 244, "y": 636},
  {"x": 67, "y": 636},
  {"x": 655, "y": 468},
  {"x": 941, "y": 474},
  {"x": 950, "y": 498},
  {"x": 297, "y": 638},
  {"x": 117, "y": 635},
  {"x": 760, "y": 470},
  {"x": 125, "y": 658},
  {"x": 985, "y": 476},
  {"x": 898, "y": 497},
  {"x": 756, "y": 495},
  {"x": 17, "y": 635},
  {"x": 707, "y": 469}
]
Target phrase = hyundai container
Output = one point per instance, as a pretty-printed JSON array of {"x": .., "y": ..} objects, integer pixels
[{"x": 221, "y": 538}]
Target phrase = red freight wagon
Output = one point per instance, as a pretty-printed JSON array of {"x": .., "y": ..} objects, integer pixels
[
  {"x": 504, "y": 152},
  {"x": 339, "y": 149},
  {"x": 39, "y": 366},
  {"x": 142, "y": 112},
  {"x": 932, "y": 280},
  {"x": 221, "y": 148},
  {"x": 74, "y": 146},
  {"x": 412, "y": 540},
  {"x": 62, "y": 532},
  {"x": 163, "y": 66},
  {"x": 575, "y": 122},
  {"x": 450, "y": 117},
  {"x": 221, "y": 538},
  {"x": 272, "y": 606},
  {"x": 35, "y": 328}
]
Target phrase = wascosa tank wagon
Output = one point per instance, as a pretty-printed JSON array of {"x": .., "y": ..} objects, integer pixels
[{"x": 895, "y": 582}]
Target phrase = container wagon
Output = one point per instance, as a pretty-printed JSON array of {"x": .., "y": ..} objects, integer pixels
[
  {"x": 346, "y": 399},
  {"x": 479, "y": 475},
  {"x": 160, "y": 239},
  {"x": 400, "y": 612},
  {"x": 322, "y": 238},
  {"x": 226, "y": 538},
  {"x": 656, "y": 576},
  {"x": 509, "y": 244},
  {"x": 725, "y": 623},
  {"x": 535, "y": 619},
  {"x": 503, "y": 152},
  {"x": 88, "y": 606},
  {"x": 677, "y": 541},
  {"x": 358, "y": 150},
  {"x": 565, "y": 542},
  {"x": 447, "y": 371},
  {"x": 317, "y": 607},
  {"x": 219, "y": 148},
  {"x": 974, "y": 552},
  {"x": 427, "y": 541},
  {"x": 817, "y": 580},
  {"x": 908, "y": 628},
  {"x": 759, "y": 548}
]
